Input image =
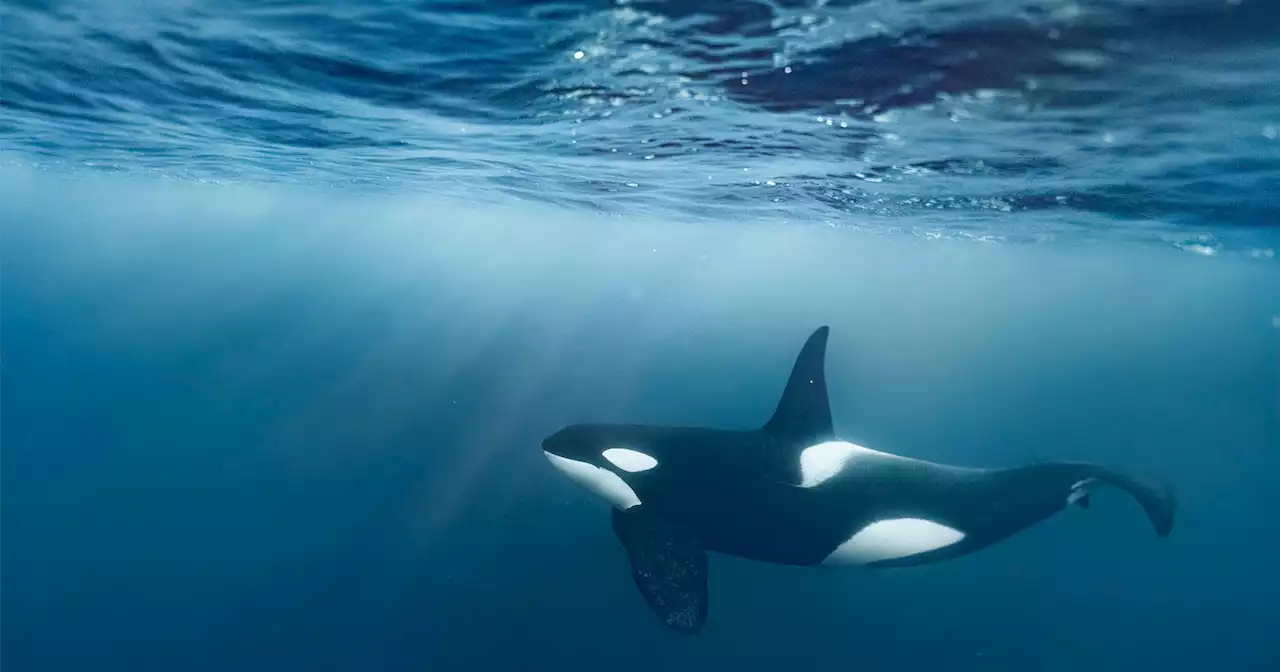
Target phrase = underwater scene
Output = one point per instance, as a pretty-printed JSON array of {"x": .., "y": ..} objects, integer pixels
[{"x": 639, "y": 335}]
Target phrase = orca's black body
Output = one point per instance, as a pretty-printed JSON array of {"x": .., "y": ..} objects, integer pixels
[{"x": 777, "y": 494}]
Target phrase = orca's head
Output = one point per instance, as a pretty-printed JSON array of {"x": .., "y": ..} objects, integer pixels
[{"x": 599, "y": 458}]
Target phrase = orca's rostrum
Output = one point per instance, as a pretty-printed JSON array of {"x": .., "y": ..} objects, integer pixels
[{"x": 793, "y": 493}]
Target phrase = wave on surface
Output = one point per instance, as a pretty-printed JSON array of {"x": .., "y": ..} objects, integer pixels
[{"x": 1008, "y": 120}]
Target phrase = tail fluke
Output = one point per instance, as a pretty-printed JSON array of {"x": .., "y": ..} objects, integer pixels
[{"x": 1157, "y": 499}]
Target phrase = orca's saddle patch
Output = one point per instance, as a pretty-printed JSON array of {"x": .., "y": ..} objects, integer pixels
[{"x": 669, "y": 566}]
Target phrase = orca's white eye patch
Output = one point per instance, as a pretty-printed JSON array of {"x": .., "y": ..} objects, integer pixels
[{"x": 629, "y": 460}]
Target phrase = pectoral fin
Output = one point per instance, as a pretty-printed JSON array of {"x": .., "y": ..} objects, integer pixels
[{"x": 669, "y": 566}]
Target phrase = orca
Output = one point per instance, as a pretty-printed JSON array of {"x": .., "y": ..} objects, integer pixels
[{"x": 791, "y": 492}]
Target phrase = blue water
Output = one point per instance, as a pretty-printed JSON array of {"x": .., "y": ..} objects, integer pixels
[
  {"x": 292, "y": 291},
  {"x": 1154, "y": 120}
]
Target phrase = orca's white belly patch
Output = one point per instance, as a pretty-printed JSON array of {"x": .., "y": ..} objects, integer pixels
[{"x": 892, "y": 539}]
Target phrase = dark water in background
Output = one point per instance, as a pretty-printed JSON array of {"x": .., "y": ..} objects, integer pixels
[{"x": 292, "y": 291}]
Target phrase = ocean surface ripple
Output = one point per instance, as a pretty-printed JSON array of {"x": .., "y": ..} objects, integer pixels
[{"x": 1022, "y": 120}]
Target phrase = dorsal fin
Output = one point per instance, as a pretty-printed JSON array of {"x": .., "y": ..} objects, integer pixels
[{"x": 804, "y": 411}]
